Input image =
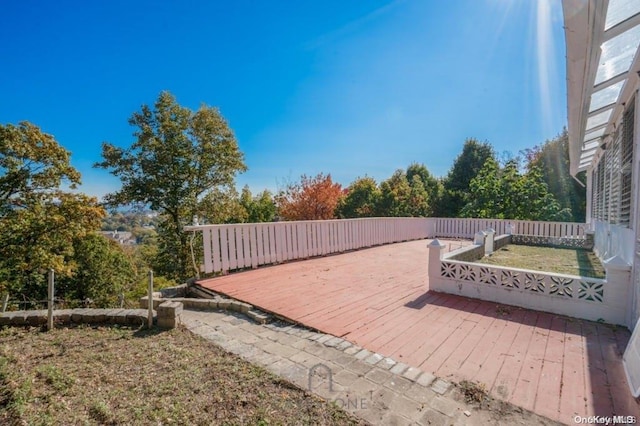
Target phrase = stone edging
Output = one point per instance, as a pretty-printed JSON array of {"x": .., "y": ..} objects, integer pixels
[
  {"x": 134, "y": 317},
  {"x": 559, "y": 242},
  {"x": 216, "y": 302}
]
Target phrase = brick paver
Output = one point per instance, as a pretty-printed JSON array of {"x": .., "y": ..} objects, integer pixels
[{"x": 375, "y": 394}]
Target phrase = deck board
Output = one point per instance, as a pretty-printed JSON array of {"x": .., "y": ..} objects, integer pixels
[{"x": 379, "y": 298}]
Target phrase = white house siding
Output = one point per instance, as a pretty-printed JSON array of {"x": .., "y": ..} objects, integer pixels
[{"x": 613, "y": 239}]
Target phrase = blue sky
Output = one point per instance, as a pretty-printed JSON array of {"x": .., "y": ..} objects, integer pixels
[{"x": 350, "y": 88}]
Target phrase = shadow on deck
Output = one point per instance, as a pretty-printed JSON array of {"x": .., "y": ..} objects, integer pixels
[{"x": 378, "y": 298}]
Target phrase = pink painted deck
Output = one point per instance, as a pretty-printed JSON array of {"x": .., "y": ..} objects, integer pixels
[{"x": 379, "y": 298}]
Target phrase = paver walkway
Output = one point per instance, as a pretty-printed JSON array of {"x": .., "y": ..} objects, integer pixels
[
  {"x": 379, "y": 298},
  {"x": 372, "y": 387}
]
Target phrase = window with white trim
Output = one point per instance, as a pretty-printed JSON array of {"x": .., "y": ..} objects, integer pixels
[
  {"x": 611, "y": 179},
  {"x": 626, "y": 159}
]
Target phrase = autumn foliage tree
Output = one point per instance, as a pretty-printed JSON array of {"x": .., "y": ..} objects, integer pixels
[
  {"x": 312, "y": 198},
  {"x": 40, "y": 222}
]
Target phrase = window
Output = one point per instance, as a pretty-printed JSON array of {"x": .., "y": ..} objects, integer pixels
[
  {"x": 613, "y": 156},
  {"x": 594, "y": 194},
  {"x": 611, "y": 179},
  {"x": 626, "y": 167},
  {"x": 600, "y": 200}
]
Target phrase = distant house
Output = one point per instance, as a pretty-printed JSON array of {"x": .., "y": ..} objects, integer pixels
[{"x": 121, "y": 237}]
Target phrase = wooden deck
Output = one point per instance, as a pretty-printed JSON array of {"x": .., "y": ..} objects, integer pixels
[{"x": 379, "y": 298}]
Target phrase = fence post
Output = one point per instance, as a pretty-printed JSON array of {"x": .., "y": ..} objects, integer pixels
[
  {"x": 5, "y": 302},
  {"x": 150, "y": 314},
  {"x": 510, "y": 229},
  {"x": 50, "y": 300}
]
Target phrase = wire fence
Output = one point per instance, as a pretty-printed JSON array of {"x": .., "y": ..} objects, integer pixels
[{"x": 24, "y": 303}]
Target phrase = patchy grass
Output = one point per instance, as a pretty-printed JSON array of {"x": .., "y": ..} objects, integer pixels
[
  {"x": 560, "y": 260},
  {"x": 473, "y": 392},
  {"x": 114, "y": 375}
]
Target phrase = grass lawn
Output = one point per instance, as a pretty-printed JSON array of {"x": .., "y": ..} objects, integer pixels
[
  {"x": 561, "y": 260},
  {"x": 115, "y": 375}
]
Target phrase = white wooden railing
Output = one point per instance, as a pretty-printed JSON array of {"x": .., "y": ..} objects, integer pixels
[
  {"x": 249, "y": 245},
  {"x": 237, "y": 246},
  {"x": 467, "y": 228}
]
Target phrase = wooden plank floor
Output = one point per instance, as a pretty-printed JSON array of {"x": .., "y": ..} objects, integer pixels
[{"x": 379, "y": 298}]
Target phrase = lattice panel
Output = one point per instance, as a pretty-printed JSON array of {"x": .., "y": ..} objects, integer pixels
[
  {"x": 591, "y": 291},
  {"x": 539, "y": 283},
  {"x": 535, "y": 283}
]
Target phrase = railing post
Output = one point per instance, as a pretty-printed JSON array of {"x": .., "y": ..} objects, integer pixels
[
  {"x": 5, "y": 302},
  {"x": 435, "y": 255},
  {"x": 590, "y": 237},
  {"x": 150, "y": 313},
  {"x": 488, "y": 247},
  {"x": 479, "y": 238},
  {"x": 50, "y": 294},
  {"x": 510, "y": 228}
]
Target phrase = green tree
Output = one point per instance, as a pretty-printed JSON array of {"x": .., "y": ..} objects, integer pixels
[
  {"x": 552, "y": 159},
  {"x": 246, "y": 200},
  {"x": 505, "y": 193},
  {"x": 361, "y": 199},
  {"x": 263, "y": 208},
  {"x": 223, "y": 205},
  {"x": 403, "y": 198},
  {"x": 486, "y": 193},
  {"x": 513, "y": 202},
  {"x": 456, "y": 185},
  {"x": 432, "y": 186},
  {"x": 539, "y": 203},
  {"x": 102, "y": 271},
  {"x": 39, "y": 222},
  {"x": 179, "y": 156}
]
